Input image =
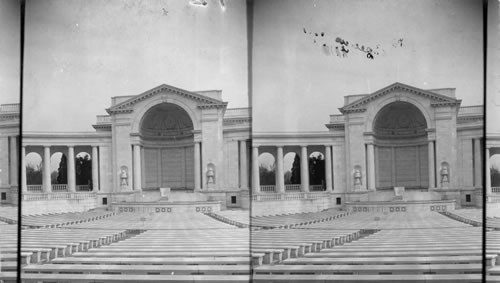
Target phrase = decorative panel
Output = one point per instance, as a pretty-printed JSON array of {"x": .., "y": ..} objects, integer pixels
[
  {"x": 151, "y": 167},
  {"x": 384, "y": 167},
  {"x": 406, "y": 166}
]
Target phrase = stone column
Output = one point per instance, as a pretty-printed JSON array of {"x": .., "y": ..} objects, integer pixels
[
  {"x": 95, "y": 169},
  {"x": 243, "y": 165},
  {"x": 47, "y": 185},
  {"x": 24, "y": 183},
  {"x": 137, "y": 167},
  {"x": 197, "y": 169},
  {"x": 488, "y": 173},
  {"x": 328, "y": 168},
  {"x": 255, "y": 170},
  {"x": 370, "y": 150},
  {"x": 71, "y": 169},
  {"x": 432, "y": 162},
  {"x": 280, "y": 177},
  {"x": 13, "y": 161},
  {"x": 478, "y": 183},
  {"x": 304, "y": 169}
]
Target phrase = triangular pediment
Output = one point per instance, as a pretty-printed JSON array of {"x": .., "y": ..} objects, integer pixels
[
  {"x": 436, "y": 99},
  {"x": 202, "y": 100}
]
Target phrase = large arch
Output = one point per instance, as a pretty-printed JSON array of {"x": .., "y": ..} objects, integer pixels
[
  {"x": 400, "y": 138},
  {"x": 374, "y": 109},
  {"x": 166, "y": 132},
  {"x": 142, "y": 110}
]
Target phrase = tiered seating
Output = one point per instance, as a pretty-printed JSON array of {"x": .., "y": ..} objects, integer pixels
[
  {"x": 493, "y": 222},
  {"x": 153, "y": 221},
  {"x": 168, "y": 248},
  {"x": 8, "y": 214},
  {"x": 396, "y": 247},
  {"x": 403, "y": 220},
  {"x": 61, "y": 219},
  {"x": 296, "y": 219},
  {"x": 46, "y": 244},
  {"x": 239, "y": 218},
  {"x": 8, "y": 247},
  {"x": 492, "y": 256},
  {"x": 292, "y": 243},
  {"x": 8, "y": 244},
  {"x": 472, "y": 216}
]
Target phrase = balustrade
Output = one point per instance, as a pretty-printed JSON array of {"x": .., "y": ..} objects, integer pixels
[
  {"x": 495, "y": 189},
  {"x": 34, "y": 188},
  {"x": 58, "y": 196},
  {"x": 59, "y": 187},
  {"x": 292, "y": 188},
  {"x": 268, "y": 188},
  {"x": 289, "y": 196},
  {"x": 83, "y": 188},
  {"x": 317, "y": 188}
]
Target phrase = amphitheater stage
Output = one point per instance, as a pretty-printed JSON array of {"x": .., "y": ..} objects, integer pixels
[
  {"x": 400, "y": 206},
  {"x": 167, "y": 207}
]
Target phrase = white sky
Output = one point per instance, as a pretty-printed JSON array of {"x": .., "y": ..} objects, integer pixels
[
  {"x": 493, "y": 69},
  {"x": 10, "y": 19},
  {"x": 78, "y": 54},
  {"x": 443, "y": 43}
]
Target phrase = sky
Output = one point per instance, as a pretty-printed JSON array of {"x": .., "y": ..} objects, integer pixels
[
  {"x": 442, "y": 43},
  {"x": 10, "y": 21},
  {"x": 80, "y": 53},
  {"x": 493, "y": 69}
]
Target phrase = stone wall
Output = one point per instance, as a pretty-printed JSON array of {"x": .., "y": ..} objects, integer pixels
[
  {"x": 261, "y": 208},
  {"x": 58, "y": 206}
]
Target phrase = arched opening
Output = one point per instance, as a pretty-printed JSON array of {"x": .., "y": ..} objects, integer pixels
[
  {"x": 167, "y": 137},
  {"x": 495, "y": 171},
  {"x": 34, "y": 166},
  {"x": 267, "y": 172},
  {"x": 291, "y": 168},
  {"x": 317, "y": 171},
  {"x": 58, "y": 172},
  {"x": 401, "y": 154}
]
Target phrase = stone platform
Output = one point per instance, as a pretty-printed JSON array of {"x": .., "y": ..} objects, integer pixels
[
  {"x": 400, "y": 206},
  {"x": 167, "y": 207}
]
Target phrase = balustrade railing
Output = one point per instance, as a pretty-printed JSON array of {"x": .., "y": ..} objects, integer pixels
[
  {"x": 268, "y": 188},
  {"x": 495, "y": 189},
  {"x": 103, "y": 119},
  {"x": 13, "y": 107},
  {"x": 317, "y": 188},
  {"x": 471, "y": 110},
  {"x": 293, "y": 196},
  {"x": 315, "y": 195},
  {"x": 57, "y": 196},
  {"x": 337, "y": 119},
  {"x": 292, "y": 187},
  {"x": 289, "y": 196},
  {"x": 237, "y": 112},
  {"x": 59, "y": 187},
  {"x": 83, "y": 188},
  {"x": 34, "y": 188}
]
